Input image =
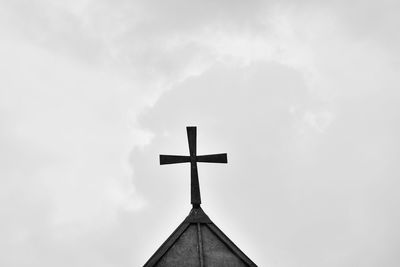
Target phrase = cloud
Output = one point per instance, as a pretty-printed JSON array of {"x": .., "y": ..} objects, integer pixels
[
  {"x": 299, "y": 118},
  {"x": 65, "y": 143},
  {"x": 303, "y": 97}
]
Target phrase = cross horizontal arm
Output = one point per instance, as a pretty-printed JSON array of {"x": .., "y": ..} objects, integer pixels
[
  {"x": 214, "y": 158},
  {"x": 171, "y": 159}
]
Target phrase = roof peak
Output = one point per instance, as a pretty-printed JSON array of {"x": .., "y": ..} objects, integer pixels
[
  {"x": 198, "y": 242},
  {"x": 197, "y": 215}
]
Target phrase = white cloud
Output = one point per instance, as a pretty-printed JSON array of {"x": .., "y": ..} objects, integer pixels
[
  {"x": 318, "y": 121},
  {"x": 65, "y": 143},
  {"x": 302, "y": 93}
]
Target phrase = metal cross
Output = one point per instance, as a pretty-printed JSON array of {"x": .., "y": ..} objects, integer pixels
[{"x": 193, "y": 159}]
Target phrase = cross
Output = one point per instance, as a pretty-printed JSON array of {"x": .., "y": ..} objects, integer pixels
[{"x": 193, "y": 159}]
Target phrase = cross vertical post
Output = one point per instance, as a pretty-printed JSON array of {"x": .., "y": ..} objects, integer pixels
[
  {"x": 194, "y": 176},
  {"x": 193, "y": 159}
]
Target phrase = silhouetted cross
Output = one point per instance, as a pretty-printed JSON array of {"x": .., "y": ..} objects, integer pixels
[{"x": 193, "y": 159}]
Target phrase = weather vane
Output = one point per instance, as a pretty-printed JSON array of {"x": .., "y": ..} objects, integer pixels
[{"x": 193, "y": 159}]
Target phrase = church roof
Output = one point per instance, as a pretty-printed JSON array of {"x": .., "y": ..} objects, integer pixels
[{"x": 198, "y": 242}]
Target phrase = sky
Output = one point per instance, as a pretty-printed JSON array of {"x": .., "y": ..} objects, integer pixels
[{"x": 302, "y": 95}]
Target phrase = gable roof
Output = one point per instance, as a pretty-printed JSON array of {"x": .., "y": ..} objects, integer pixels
[{"x": 198, "y": 242}]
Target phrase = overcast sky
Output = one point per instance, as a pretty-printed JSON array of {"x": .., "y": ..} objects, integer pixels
[{"x": 304, "y": 98}]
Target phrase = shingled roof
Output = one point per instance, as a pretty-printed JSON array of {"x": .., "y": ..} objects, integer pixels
[{"x": 198, "y": 242}]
